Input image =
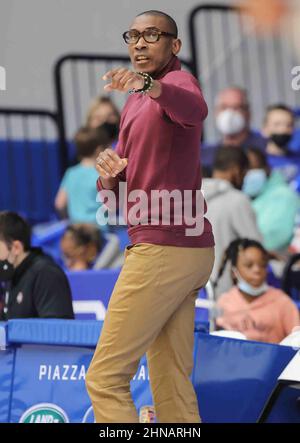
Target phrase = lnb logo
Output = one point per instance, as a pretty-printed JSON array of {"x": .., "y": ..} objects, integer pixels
[{"x": 2, "y": 79}]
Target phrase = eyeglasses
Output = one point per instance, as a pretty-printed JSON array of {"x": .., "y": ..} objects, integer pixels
[{"x": 150, "y": 35}]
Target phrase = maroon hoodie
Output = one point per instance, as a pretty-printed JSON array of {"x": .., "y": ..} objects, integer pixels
[{"x": 160, "y": 137}]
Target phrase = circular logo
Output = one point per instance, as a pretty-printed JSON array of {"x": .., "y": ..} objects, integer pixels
[
  {"x": 44, "y": 413},
  {"x": 89, "y": 416}
]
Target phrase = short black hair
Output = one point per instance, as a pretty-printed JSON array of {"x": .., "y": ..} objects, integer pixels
[
  {"x": 88, "y": 140},
  {"x": 14, "y": 227},
  {"x": 278, "y": 107},
  {"x": 170, "y": 20},
  {"x": 228, "y": 156}
]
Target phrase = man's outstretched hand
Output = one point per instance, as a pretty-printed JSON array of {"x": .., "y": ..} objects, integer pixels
[{"x": 122, "y": 79}]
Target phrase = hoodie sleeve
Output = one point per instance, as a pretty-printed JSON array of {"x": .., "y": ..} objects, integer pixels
[
  {"x": 181, "y": 98},
  {"x": 115, "y": 190}
]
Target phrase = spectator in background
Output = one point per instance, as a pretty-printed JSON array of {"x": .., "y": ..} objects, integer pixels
[
  {"x": 273, "y": 201},
  {"x": 33, "y": 285},
  {"x": 278, "y": 128},
  {"x": 259, "y": 311},
  {"x": 228, "y": 208},
  {"x": 233, "y": 117},
  {"x": 76, "y": 197},
  {"x": 80, "y": 245},
  {"x": 103, "y": 111}
]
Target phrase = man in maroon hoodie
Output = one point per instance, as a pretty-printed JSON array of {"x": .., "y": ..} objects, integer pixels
[{"x": 152, "y": 306}]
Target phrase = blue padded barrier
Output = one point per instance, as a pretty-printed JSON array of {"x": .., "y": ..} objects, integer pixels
[
  {"x": 233, "y": 378},
  {"x": 29, "y": 178},
  {"x": 44, "y": 380}
]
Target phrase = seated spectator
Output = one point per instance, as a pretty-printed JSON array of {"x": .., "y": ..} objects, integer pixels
[
  {"x": 278, "y": 128},
  {"x": 229, "y": 209},
  {"x": 233, "y": 118},
  {"x": 103, "y": 111},
  {"x": 76, "y": 197},
  {"x": 274, "y": 202},
  {"x": 260, "y": 312},
  {"x": 33, "y": 285},
  {"x": 80, "y": 245}
]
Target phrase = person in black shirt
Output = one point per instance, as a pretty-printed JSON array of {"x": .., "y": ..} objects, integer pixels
[{"x": 32, "y": 284}]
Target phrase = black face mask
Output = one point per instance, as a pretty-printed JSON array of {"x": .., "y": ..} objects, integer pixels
[
  {"x": 281, "y": 140},
  {"x": 6, "y": 270},
  {"x": 112, "y": 129}
]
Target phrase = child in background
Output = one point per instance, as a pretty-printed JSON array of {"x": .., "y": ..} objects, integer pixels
[
  {"x": 278, "y": 128},
  {"x": 77, "y": 193},
  {"x": 260, "y": 312},
  {"x": 80, "y": 246}
]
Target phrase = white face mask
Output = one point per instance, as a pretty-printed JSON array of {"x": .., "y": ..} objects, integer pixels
[
  {"x": 249, "y": 289},
  {"x": 254, "y": 182},
  {"x": 230, "y": 122}
]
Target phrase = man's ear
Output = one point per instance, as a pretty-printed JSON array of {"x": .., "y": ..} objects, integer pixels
[
  {"x": 177, "y": 44},
  {"x": 17, "y": 247},
  {"x": 236, "y": 171}
]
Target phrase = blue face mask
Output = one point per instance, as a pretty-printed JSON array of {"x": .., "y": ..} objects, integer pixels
[
  {"x": 254, "y": 182},
  {"x": 249, "y": 289}
]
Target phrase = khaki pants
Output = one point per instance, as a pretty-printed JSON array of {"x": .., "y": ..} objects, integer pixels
[{"x": 151, "y": 310}]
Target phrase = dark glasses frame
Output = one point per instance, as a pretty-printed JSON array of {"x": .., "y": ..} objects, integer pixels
[{"x": 142, "y": 34}]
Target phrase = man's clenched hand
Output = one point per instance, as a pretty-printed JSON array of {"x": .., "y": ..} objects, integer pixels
[{"x": 109, "y": 164}]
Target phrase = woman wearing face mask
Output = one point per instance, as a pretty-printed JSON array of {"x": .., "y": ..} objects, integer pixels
[
  {"x": 260, "y": 312},
  {"x": 104, "y": 112},
  {"x": 274, "y": 202}
]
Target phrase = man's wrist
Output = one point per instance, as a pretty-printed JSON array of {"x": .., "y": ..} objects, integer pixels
[
  {"x": 109, "y": 182},
  {"x": 147, "y": 81},
  {"x": 150, "y": 87},
  {"x": 156, "y": 89}
]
